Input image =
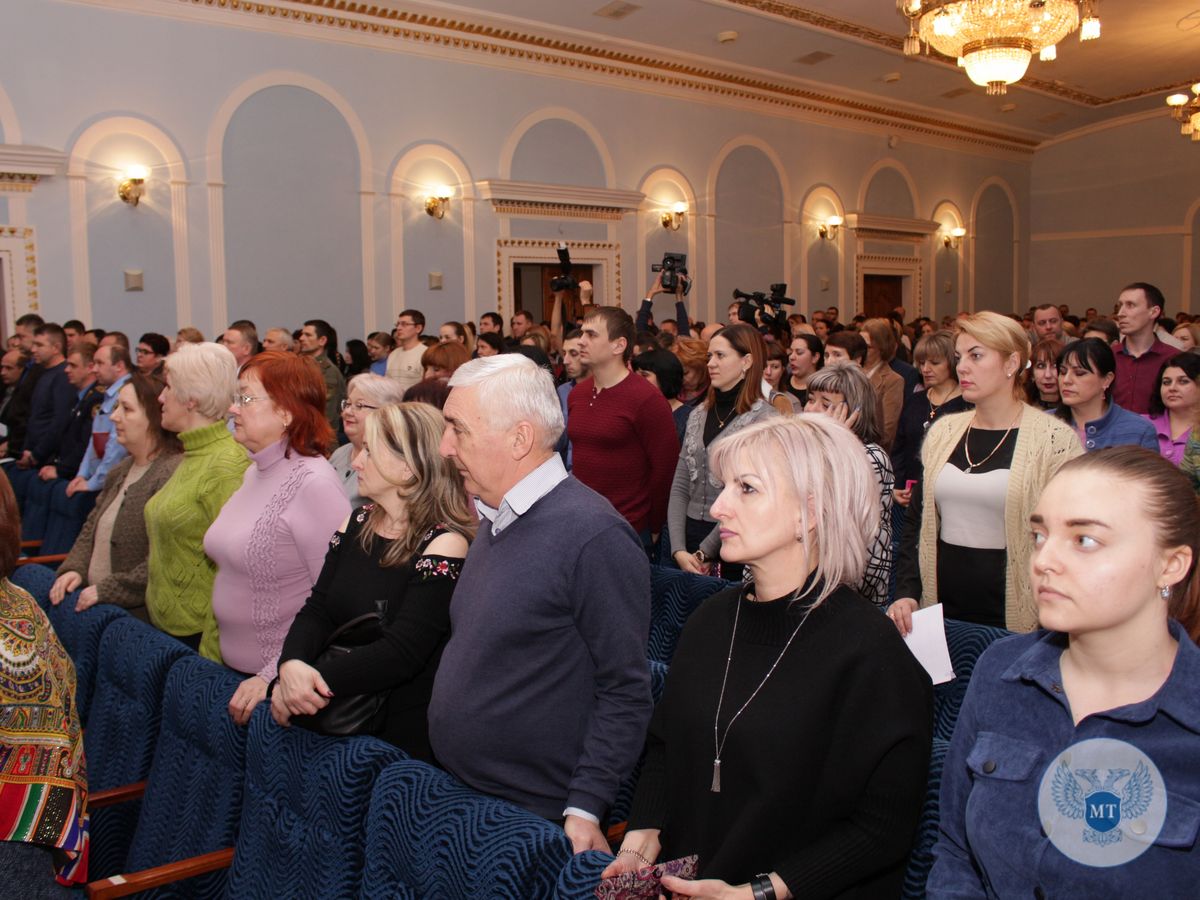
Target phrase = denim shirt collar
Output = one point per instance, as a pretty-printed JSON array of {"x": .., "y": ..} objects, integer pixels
[{"x": 1177, "y": 698}]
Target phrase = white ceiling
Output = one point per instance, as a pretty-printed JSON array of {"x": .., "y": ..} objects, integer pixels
[{"x": 1147, "y": 48}]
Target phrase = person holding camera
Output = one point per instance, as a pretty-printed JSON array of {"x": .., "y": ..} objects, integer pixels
[{"x": 681, "y": 285}]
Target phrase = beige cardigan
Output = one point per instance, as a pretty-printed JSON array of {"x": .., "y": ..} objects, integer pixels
[{"x": 1043, "y": 444}]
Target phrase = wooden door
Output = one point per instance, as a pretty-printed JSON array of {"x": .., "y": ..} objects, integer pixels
[
  {"x": 882, "y": 294},
  {"x": 571, "y": 303}
]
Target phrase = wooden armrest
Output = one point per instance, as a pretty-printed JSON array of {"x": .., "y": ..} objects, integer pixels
[
  {"x": 29, "y": 545},
  {"x": 113, "y": 796},
  {"x": 41, "y": 560},
  {"x": 136, "y": 882},
  {"x": 616, "y": 833}
]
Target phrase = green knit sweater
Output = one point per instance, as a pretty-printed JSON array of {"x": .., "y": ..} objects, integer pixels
[{"x": 180, "y": 577}]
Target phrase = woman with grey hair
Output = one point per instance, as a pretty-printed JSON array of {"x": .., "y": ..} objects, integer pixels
[
  {"x": 844, "y": 392},
  {"x": 201, "y": 382},
  {"x": 364, "y": 394}
]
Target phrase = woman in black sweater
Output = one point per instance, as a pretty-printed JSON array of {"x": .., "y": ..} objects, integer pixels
[
  {"x": 791, "y": 746},
  {"x": 399, "y": 556}
]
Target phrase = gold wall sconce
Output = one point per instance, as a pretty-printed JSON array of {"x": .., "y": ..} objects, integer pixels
[
  {"x": 438, "y": 200},
  {"x": 829, "y": 228},
  {"x": 133, "y": 185},
  {"x": 671, "y": 219},
  {"x": 953, "y": 238}
]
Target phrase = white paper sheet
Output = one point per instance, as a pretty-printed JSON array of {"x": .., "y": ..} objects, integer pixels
[{"x": 927, "y": 641}]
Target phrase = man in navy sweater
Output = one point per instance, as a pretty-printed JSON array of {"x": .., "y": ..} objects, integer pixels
[{"x": 542, "y": 696}]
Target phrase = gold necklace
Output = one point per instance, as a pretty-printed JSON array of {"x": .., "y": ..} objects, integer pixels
[
  {"x": 934, "y": 407},
  {"x": 967, "y": 443}
]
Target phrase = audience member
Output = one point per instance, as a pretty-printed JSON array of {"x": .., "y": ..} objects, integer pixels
[
  {"x": 491, "y": 323},
  {"x": 1076, "y": 746},
  {"x": 934, "y": 356},
  {"x": 442, "y": 359},
  {"x": 152, "y": 349},
  {"x": 110, "y": 557},
  {"x": 1175, "y": 405},
  {"x": 845, "y": 346},
  {"x": 543, "y": 699},
  {"x": 843, "y": 392},
  {"x": 74, "y": 330},
  {"x": 1188, "y": 335},
  {"x": 357, "y": 359},
  {"x": 25, "y": 328},
  {"x": 200, "y": 381},
  {"x": 490, "y": 343},
  {"x": 1105, "y": 329},
  {"x": 399, "y": 556},
  {"x": 456, "y": 331},
  {"x": 241, "y": 341},
  {"x": 519, "y": 323},
  {"x": 269, "y": 539},
  {"x": 773, "y": 372},
  {"x": 19, "y": 375},
  {"x": 188, "y": 335},
  {"x": 318, "y": 340},
  {"x": 623, "y": 440},
  {"x": 379, "y": 345},
  {"x": 680, "y": 326},
  {"x": 404, "y": 363},
  {"x": 117, "y": 338},
  {"x": 113, "y": 371},
  {"x": 43, "y": 782},
  {"x": 736, "y": 356},
  {"x": 1085, "y": 377},
  {"x": 434, "y": 391},
  {"x": 574, "y": 371},
  {"x": 663, "y": 369},
  {"x": 966, "y": 543},
  {"x": 52, "y": 400},
  {"x": 693, "y": 354},
  {"x": 1042, "y": 388},
  {"x": 365, "y": 394},
  {"x": 77, "y": 432},
  {"x": 806, "y": 356},
  {"x": 279, "y": 339},
  {"x": 1140, "y": 354},
  {"x": 888, "y": 384},
  {"x": 799, "y": 771},
  {"x": 537, "y": 336},
  {"x": 1048, "y": 324}
]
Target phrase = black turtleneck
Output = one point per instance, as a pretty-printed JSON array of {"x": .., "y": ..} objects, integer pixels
[{"x": 720, "y": 413}]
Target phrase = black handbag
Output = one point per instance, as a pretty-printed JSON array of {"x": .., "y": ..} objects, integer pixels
[{"x": 358, "y": 713}]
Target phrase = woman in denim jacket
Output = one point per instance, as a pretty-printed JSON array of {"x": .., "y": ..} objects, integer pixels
[{"x": 1073, "y": 768}]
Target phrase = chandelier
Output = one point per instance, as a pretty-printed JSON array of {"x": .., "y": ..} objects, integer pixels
[
  {"x": 1186, "y": 111},
  {"x": 994, "y": 40}
]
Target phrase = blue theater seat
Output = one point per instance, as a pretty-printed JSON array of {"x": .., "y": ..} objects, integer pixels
[{"x": 674, "y": 595}]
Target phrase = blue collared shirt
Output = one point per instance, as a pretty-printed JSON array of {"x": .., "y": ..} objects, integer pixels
[
  {"x": 522, "y": 495},
  {"x": 1117, "y": 428},
  {"x": 1013, "y": 734},
  {"x": 95, "y": 468}
]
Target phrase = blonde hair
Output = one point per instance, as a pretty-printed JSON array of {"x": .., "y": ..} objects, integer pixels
[
  {"x": 204, "y": 374},
  {"x": 434, "y": 495},
  {"x": 819, "y": 463},
  {"x": 379, "y": 390},
  {"x": 190, "y": 335},
  {"x": 1006, "y": 337}
]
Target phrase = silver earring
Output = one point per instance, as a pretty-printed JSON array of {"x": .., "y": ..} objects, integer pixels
[{"x": 1165, "y": 592}]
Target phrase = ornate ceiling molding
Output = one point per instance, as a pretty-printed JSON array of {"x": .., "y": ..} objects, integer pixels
[
  {"x": 22, "y": 166},
  {"x": 869, "y": 227},
  {"x": 369, "y": 19},
  {"x": 895, "y": 42},
  {"x": 524, "y": 198}
]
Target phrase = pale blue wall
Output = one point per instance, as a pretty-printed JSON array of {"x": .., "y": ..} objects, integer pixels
[
  {"x": 749, "y": 229},
  {"x": 291, "y": 213},
  {"x": 994, "y": 251}
]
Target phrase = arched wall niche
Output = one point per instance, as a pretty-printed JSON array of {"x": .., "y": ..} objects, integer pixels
[
  {"x": 993, "y": 235},
  {"x": 820, "y": 284},
  {"x": 664, "y": 187},
  {"x": 524, "y": 149},
  {"x": 948, "y": 262}
]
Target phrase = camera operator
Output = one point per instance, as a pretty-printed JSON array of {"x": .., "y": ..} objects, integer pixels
[{"x": 682, "y": 322}]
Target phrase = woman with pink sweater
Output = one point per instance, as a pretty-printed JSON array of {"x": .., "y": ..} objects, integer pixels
[{"x": 270, "y": 538}]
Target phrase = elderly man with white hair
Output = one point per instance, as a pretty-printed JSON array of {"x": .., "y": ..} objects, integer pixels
[{"x": 543, "y": 692}]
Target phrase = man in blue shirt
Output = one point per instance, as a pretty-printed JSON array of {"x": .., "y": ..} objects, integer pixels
[{"x": 112, "y": 372}]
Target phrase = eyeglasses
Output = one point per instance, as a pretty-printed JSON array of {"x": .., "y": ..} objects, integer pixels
[
  {"x": 357, "y": 405},
  {"x": 144, "y": 351},
  {"x": 245, "y": 399}
]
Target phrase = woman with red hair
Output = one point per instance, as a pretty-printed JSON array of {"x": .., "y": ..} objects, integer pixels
[{"x": 270, "y": 539}]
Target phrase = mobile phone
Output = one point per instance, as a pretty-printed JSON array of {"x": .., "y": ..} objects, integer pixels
[{"x": 910, "y": 484}]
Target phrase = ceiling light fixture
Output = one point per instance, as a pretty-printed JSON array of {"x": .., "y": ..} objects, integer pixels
[{"x": 994, "y": 40}]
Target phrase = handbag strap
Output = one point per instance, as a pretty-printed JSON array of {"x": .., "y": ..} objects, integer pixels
[{"x": 353, "y": 623}]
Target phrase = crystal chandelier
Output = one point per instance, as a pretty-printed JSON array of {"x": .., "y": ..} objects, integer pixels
[
  {"x": 1186, "y": 111},
  {"x": 994, "y": 40}
]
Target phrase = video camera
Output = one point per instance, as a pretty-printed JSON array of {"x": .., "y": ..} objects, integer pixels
[
  {"x": 670, "y": 269},
  {"x": 769, "y": 308},
  {"x": 564, "y": 282}
]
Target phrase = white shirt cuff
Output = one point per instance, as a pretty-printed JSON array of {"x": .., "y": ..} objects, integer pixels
[{"x": 581, "y": 813}]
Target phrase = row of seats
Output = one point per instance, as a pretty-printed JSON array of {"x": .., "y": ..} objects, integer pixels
[
  {"x": 291, "y": 800},
  {"x": 297, "y": 814}
]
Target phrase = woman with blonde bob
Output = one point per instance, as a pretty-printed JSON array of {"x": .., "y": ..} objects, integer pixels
[
  {"x": 365, "y": 393},
  {"x": 967, "y": 542},
  {"x": 399, "y": 556},
  {"x": 791, "y": 744}
]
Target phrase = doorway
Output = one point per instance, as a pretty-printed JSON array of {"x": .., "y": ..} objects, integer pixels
[
  {"x": 882, "y": 294},
  {"x": 531, "y": 290}
]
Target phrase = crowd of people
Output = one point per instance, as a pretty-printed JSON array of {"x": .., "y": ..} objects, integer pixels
[{"x": 446, "y": 541}]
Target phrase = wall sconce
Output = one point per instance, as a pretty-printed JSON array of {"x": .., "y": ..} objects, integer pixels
[
  {"x": 132, "y": 186},
  {"x": 954, "y": 238},
  {"x": 438, "y": 200},
  {"x": 828, "y": 231},
  {"x": 673, "y": 219}
]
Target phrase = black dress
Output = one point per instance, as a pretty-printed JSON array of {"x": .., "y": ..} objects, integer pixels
[
  {"x": 822, "y": 774},
  {"x": 415, "y": 599}
]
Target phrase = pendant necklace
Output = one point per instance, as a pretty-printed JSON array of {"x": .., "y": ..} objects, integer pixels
[
  {"x": 967, "y": 444},
  {"x": 719, "y": 740}
]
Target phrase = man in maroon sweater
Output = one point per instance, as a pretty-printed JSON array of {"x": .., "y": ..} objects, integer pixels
[
  {"x": 1139, "y": 354},
  {"x": 623, "y": 437}
]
